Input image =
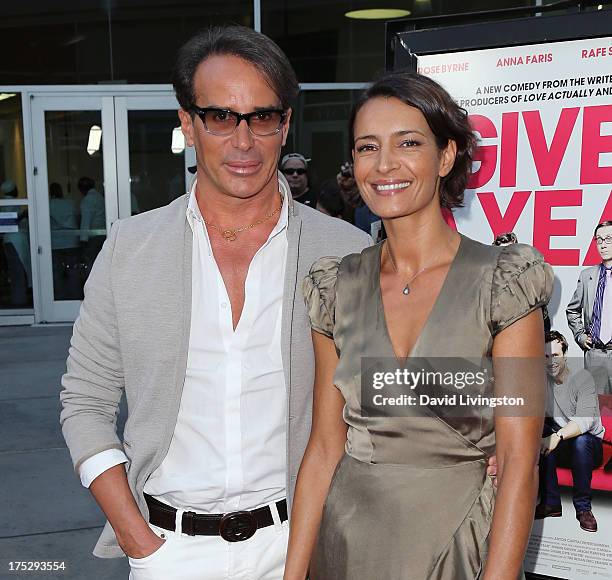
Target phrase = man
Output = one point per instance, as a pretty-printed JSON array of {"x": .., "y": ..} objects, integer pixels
[
  {"x": 329, "y": 201},
  {"x": 573, "y": 435},
  {"x": 294, "y": 167},
  {"x": 63, "y": 217},
  {"x": 93, "y": 217},
  {"x": 194, "y": 310},
  {"x": 93, "y": 213},
  {"x": 589, "y": 313}
]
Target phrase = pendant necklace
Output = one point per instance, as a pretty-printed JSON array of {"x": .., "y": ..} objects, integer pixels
[{"x": 406, "y": 289}]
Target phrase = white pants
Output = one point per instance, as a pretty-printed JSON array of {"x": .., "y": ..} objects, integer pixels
[{"x": 183, "y": 557}]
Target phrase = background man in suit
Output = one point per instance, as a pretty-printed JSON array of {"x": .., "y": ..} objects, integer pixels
[
  {"x": 589, "y": 313},
  {"x": 193, "y": 311}
]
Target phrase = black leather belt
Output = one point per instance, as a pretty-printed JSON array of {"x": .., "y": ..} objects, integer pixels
[{"x": 233, "y": 526}]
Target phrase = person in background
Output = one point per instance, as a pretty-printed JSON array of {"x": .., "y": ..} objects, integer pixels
[
  {"x": 349, "y": 191},
  {"x": 364, "y": 216},
  {"x": 589, "y": 312},
  {"x": 17, "y": 249},
  {"x": 505, "y": 239},
  {"x": 294, "y": 167},
  {"x": 573, "y": 435},
  {"x": 93, "y": 217},
  {"x": 93, "y": 212},
  {"x": 63, "y": 217},
  {"x": 329, "y": 201},
  {"x": 134, "y": 204}
]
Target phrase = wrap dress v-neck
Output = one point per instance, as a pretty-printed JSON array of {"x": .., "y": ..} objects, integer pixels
[{"x": 410, "y": 499}]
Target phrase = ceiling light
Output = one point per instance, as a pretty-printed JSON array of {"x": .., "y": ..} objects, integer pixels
[
  {"x": 377, "y": 14},
  {"x": 4, "y": 96},
  {"x": 178, "y": 141},
  {"x": 95, "y": 137}
]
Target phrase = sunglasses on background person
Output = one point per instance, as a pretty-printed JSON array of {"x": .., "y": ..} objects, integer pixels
[{"x": 294, "y": 171}]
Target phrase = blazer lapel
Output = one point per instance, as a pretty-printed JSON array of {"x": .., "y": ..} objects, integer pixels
[
  {"x": 177, "y": 319},
  {"x": 294, "y": 231},
  {"x": 185, "y": 292},
  {"x": 592, "y": 281}
]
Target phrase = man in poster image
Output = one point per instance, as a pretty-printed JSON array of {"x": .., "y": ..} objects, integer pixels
[
  {"x": 194, "y": 312},
  {"x": 573, "y": 434},
  {"x": 589, "y": 313}
]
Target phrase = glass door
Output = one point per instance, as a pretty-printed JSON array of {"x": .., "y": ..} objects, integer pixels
[
  {"x": 152, "y": 161},
  {"x": 97, "y": 158},
  {"x": 75, "y": 195}
]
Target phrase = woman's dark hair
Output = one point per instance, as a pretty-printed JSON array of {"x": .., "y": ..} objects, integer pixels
[
  {"x": 446, "y": 119},
  {"x": 508, "y": 238},
  {"x": 239, "y": 41},
  {"x": 556, "y": 335}
]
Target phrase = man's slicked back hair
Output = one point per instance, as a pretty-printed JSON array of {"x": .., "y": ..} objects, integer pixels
[{"x": 239, "y": 41}]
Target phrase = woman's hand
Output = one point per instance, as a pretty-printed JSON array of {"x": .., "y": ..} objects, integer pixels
[{"x": 492, "y": 469}]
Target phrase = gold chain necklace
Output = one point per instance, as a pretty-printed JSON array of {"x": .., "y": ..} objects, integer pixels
[
  {"x": 406, "y": 289},
  {"x": 229, "y": 234}
]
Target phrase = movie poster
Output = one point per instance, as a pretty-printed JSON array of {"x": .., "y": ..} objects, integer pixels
[{"x": 543, "y": 171}]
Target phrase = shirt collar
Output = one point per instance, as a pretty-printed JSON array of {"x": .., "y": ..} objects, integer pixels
[
  {"x": 193, "y": 210},
  {"x": 602, "y": 268},
  {"x": 194, "y": 214}
]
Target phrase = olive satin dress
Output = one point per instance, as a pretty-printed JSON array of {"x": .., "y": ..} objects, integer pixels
[{"x": 410, "y": 499}]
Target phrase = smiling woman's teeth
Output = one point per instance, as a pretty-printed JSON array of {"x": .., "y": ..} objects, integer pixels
[{"x": 392, "y": 186}]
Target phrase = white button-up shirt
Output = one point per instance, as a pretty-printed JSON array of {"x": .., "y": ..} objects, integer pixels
[{"x": 228, "y": 450}]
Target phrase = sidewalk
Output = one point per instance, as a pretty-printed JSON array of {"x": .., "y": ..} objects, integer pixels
[{"x": 46, "y": 514}]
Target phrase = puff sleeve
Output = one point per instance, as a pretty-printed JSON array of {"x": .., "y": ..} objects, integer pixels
[
  {"x": 522, "y": 282},
  {"x": 319, "y": 289}
]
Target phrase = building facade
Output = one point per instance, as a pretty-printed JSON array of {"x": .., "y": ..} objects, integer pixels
[{"x": 89, "y": 127}]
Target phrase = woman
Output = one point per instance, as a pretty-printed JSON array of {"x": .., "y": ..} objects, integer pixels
[{"x": 409, "y": 498}]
